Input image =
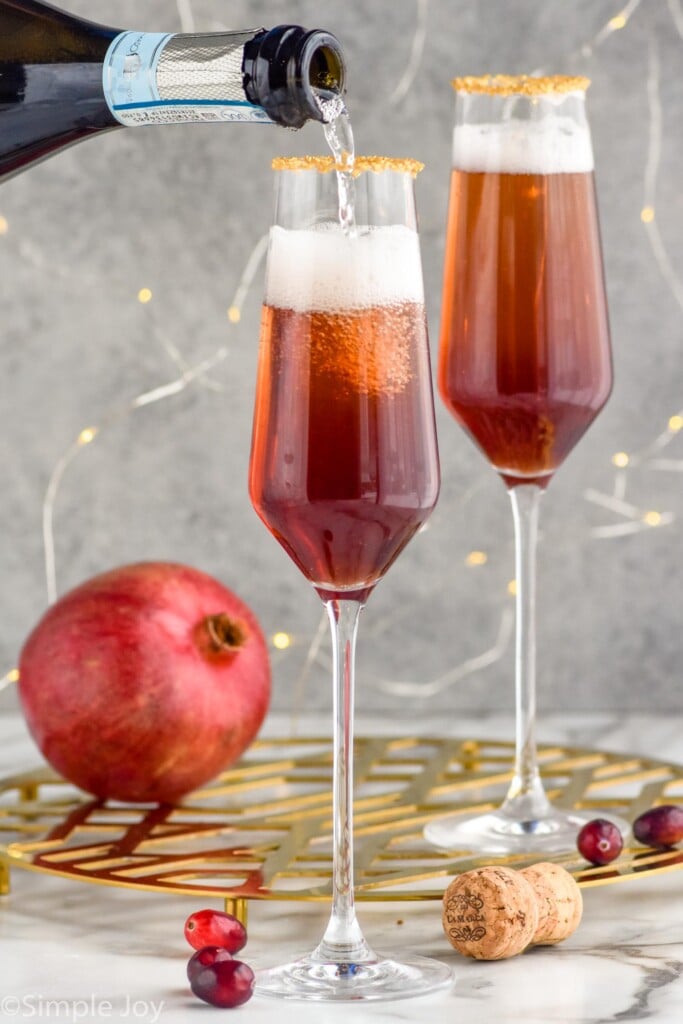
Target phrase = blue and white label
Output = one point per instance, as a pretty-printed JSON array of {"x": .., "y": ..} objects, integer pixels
[
  {"x": 129, "y": 73},
  {"x": 130, "y": 80}
]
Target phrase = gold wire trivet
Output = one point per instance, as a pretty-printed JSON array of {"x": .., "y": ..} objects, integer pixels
[{"x": 262, "y": 830}]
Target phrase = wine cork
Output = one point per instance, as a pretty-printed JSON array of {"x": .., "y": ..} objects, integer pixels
[
  {"x": 490, "y": 913},
  {"x": 559, "y": 901},
  {"x": 493, "y": 913}
]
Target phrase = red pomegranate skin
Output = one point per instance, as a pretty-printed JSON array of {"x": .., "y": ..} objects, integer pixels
[{"x": 129, "y": 696}]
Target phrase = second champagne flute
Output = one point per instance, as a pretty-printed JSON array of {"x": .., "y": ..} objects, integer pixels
[
  {"x": 344, "y": 471},
  {"x": 524, "y": 362}
]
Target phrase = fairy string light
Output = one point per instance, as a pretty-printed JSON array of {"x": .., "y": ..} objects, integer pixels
[
  {"x": 676, "y": 12},
  {"x": 417, "y": 47},
  {"x": 615, "y": 24},
  {"x": 189, "y": 375},
  {"x": 633, "y": 518},
  {"x": 648, "y": 212},
  {"x": 629, "y": 516},
  {"x": 186, "y": 15},
  {"x": 196, "y": 375}
]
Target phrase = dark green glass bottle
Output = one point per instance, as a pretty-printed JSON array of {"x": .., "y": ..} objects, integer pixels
[{"x": 63, "y": 79}]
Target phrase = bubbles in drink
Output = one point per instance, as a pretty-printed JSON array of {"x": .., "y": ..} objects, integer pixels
[
  {"x": 339, "y": 137},
  {"x": 357, "y": 301}
]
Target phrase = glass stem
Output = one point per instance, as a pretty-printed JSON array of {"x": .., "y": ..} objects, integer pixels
[
  {"x": 526, "y": 799},
  {"x": 343, "y": 940}
]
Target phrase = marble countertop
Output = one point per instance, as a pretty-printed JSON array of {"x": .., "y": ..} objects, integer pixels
[{"x": 77, "y": 952}]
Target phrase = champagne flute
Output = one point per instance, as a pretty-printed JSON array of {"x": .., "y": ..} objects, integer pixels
[
  {"x": 524, "y": 361},
  {"x": 344, "y": 471}
]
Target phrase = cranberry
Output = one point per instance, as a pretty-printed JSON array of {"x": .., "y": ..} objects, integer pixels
[
  {"x": 600, "y": 841},
  {"x": 225, "y": 983},
  {"x": 205, "y": 958},
  {"x": 215, "y": 928},
  {"x": 660, "y": 826}
]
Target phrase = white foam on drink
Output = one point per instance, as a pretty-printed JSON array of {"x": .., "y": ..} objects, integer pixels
[
  {"x": 323, "y": 269},
  {"x": 552, "y": 145}
]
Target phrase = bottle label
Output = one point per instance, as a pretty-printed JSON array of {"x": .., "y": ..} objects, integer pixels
[{"x": 162, "y": 78}]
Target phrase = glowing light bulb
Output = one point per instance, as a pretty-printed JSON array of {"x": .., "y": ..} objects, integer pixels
[
  {"x": 675, "y": 424},
  {"x": 234, "y": 314},
  {"x": 12, "y": 675},
  {"x": 477, "y": 558},
  {"x": 4, "y": 225},
  {"x": 652, "y": 518},
  {"x": 144, "y": 296},
  {"x": 512, "y": 588},
  {"x": 620, "y": 459},
  {"x": 282, "y": 641},
  {"x": 647, "y": 214},
  {"x": 87, "y": 435},
  {"x": 617, "y": 22}
]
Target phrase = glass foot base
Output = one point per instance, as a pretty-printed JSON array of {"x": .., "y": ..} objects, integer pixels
[
  {"x": 498, "y": 832},
  {"x": 381, "y": 978}
]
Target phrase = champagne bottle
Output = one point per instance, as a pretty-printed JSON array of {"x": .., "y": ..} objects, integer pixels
[{"x": 63, "y": 79}]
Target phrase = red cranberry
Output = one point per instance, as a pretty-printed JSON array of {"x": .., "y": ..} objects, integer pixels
[
  {"x": 205, "y": 958},
  {"x": 660, "y": 826},
  {"x": 600, "y": 841},
  {"x": 215, "y": 928},
  {"x": 225, "y": 983}
]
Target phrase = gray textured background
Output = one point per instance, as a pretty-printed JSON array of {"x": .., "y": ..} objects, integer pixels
[{"x": 178, "y": 209}]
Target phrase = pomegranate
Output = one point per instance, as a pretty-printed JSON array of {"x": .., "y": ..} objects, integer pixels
[{"x": 145, "y": 682}]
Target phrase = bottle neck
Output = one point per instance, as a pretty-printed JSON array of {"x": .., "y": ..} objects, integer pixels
[{"x": 279, "y": 75}]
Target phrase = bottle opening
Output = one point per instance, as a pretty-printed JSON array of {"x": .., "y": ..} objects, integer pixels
[
  {"x": 326, "y": 71},
  {"x": 288, "y": 70}
]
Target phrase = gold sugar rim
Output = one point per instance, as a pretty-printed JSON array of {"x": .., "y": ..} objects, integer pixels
[
  {"x": 324, "y": 164},
  {"x": 521, "y": 85}
]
